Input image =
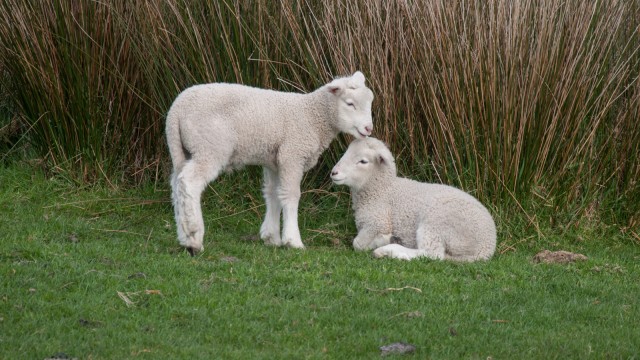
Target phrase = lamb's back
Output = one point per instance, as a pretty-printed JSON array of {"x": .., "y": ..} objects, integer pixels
[
  {"x": 256, "y": 121},
  {"x": 442, "y": 207},
  {"x": 239, "y": 104}
]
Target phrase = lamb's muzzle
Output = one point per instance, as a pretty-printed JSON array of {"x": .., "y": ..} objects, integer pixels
[
  {"x": 365, "y": 132},
  {"x": 336, "y": 177}
]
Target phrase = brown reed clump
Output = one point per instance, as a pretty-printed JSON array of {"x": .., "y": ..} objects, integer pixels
[{"x": 513, "y": 100}]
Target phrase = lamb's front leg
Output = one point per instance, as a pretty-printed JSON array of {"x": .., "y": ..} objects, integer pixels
[
  {"x": 429, "y": 245},
  {"x": 397, "y": 251},
  {"x": 289, "y": 196},
  {"x": 270, "y": 229},
  {"x": 369, "y": 239}
]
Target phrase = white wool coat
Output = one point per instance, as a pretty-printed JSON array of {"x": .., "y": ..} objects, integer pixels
[
  {"x": 255, "y": 141},
  {"x": 399, "y": 206},
  {"x": 405, "y": 219}
]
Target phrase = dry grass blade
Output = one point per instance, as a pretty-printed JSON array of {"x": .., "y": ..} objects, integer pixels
[
  {"x": 126, "y": 299},
  {"x": 395, "y": 289}
]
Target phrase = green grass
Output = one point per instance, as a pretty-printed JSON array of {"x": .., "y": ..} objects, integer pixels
[{"x": 67, "y": 253}]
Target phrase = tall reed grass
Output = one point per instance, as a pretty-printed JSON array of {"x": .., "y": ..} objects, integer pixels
[{"x": 512, "y": 100}]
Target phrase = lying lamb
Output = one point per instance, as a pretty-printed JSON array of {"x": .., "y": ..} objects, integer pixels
[
  {"x": 216, "y": 127},
  {"x": 431, "y": 220}
]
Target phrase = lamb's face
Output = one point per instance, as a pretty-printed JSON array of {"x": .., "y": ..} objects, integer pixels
[
  {"x": 354, "y": 105},
  {"x": 362, "y": 160}
]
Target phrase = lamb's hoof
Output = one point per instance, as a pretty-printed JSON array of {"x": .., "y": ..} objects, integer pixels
[
  {"x": 193, "y": 251},
  {"x": 377, "y": 253},
  {"x": 294, "y": 244},
  {"x": 271, "y": 240},
  {"x": 270, "y": 237}
]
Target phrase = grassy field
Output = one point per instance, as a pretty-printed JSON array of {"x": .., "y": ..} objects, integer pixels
[{"x": 97, "y": 273}]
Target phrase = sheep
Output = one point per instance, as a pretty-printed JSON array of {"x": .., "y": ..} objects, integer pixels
[
  {"x": 219, "y": 127},
  {"x": 405, "y": 219}
]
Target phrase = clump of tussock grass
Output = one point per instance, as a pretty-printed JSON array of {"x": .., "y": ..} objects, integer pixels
[
  {"x": 74, "y": 78},
  {"x": 533, "y": 102}
]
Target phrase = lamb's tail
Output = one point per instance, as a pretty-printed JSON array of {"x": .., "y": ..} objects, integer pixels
[{"x": 174, "y": 141}]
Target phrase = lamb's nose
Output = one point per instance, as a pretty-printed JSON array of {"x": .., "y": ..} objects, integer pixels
[
  {"x": 368, "y": 129},
  {"x": 334, "y": 172}
]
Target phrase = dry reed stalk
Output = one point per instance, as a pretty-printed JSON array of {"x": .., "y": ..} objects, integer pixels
[{"x": 505, "y": 99}]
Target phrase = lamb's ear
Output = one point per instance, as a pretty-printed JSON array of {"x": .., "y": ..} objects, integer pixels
[
  {"x": 336, "y": 87},
  {"x": 358, "y": 76},
  {"x": 357, "y": 80},
  {"x": 385, "y": 158}
]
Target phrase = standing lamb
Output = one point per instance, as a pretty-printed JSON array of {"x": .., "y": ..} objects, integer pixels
[
  {"x": 430, "y": 220},
  {"x": 216, "y": 127}
]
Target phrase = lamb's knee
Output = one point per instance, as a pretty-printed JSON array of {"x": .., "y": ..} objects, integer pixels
[
  {"x": 270, "y": 196},
  {"x": 173, "y": 179},
  {"x": 363, "y": 242},
  {"x": 289, "y": 195},
  {"x": 191, "y": 179},
  {"x": 361, "y": 245},
  {"x": 269, "y": 192}
]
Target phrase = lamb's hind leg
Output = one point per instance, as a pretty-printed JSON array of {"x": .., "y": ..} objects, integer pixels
[
  {"x": 270, "y": 229},
  {"x": 430, "y": 242},
  {"x": 429, "y": 245},
  {"x": 187, "y": 187}
]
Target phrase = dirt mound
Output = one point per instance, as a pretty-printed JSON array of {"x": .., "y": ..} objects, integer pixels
[{"x": 558, "y": 257}]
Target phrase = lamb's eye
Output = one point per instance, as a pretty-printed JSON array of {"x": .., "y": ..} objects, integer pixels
[
  {"x": 363, "y": 161},
  {"x": 349, "y": 103}
]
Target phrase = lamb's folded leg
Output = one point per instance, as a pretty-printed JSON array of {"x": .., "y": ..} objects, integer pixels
[
  {"x": 430, "y": 242},
  {"x": 397, "y": 251},
  {"x": 369, "y": 239},
  {"x": 429, "y": 245}
]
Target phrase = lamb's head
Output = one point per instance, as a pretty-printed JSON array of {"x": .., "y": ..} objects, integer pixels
[
  {"x": 364, "y": 160},
  {"x": 354, "y": 100}
]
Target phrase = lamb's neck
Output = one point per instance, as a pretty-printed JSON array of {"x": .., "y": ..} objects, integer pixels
[
  {"x": 375, "y": 187},
  {"x": 323, "y": 109}
]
